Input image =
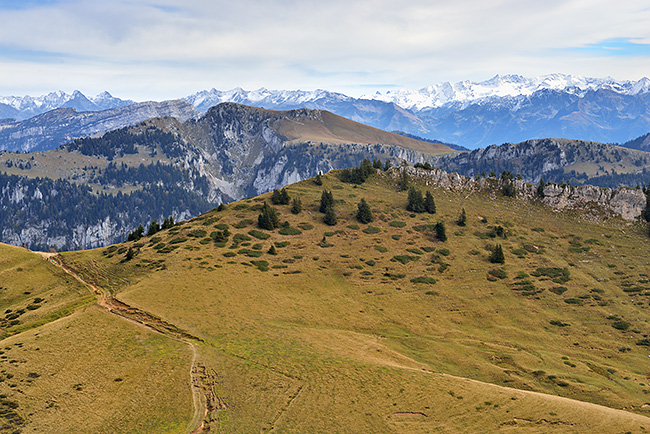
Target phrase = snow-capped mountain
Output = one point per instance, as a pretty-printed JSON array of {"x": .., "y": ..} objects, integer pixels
[
  {"x": 271, "y": 99},
  {"x": 24, "y": 107},
  {"x": 505, "y": 108},
  {"x": 503, "y": 86}
]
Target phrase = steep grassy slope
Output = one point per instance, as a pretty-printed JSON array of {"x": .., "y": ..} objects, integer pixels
[
  {"x": 345, "y": 329},
  {"x": 324, "y": 126}
]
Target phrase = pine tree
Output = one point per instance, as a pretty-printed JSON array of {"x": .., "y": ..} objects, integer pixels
[
  {"x": 136, "y": 234},
  {"x": 540, "y": 188},
  {"x": 387, "y": 165},
  {"x": 129, "y": 254},
  {"x": 318, "y": 180},
  {"x": 462, "y": 219},
  {"x": 168, "y": 223},
  {"x": 272, "y": 250},
  {"x": 280, "y": 197},
  {"x": 268, "y": 218},
  {"x": 330, "y": 216},
  {"x": 404, "y": 182},
  {"x": 415, "y": 201},
  {"x": 429, "y": 203},
  {"x": 441, "y": 232},
  {"x": 497, "y": 257},
  {"x": 153, "y": 228},
  {"x": 296, "y": 206},
  {"x": 326, "y": 201},
  {"x": 364, "y": 213}
]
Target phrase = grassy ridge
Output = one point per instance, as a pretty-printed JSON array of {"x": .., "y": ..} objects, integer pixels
[
  {"x": 330, "y": 290},
  {"x": 356, "y": 329}
]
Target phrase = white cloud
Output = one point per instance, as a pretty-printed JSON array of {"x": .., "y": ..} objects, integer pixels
[{"x": 167, "y": 48}]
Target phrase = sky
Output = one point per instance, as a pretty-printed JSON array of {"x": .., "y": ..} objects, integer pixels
[{"x": 163, "y": 49}]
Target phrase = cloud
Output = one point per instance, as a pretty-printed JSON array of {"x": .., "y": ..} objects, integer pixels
[{"x": 159, "y": 49}]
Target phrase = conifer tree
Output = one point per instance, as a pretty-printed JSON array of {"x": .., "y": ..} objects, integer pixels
[
  {"x": 364, "y": 213},
  {"x": 330, "y": 216},
  {"x": 296, "y": 206},
  {"x": 318, "y": 180},
  {"x": 326, "y": 201},
  {"x": 462, "y": 219},
  {"x": 429, "y": 203},
  {"x": 540, "y": 188},
  {"x": 404, "y": 182},
  {"x": 129, "y": 254},
  {"x": 280, "y": 197},
  {"x": 153, "y": 228},
  {"x": 415, "y": 201},
  {"x": 497, "y": 257},
  {"x": 441, "y": 232},
  {"x": 168, "y": 223},
  {"x": 268, "y": 218}
]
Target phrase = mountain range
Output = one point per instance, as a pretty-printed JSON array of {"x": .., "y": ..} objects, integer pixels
[
  {"x": 94, "y": 191},
  {"x": 508, "y": 108}
]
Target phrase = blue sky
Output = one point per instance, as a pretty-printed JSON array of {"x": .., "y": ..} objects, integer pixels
[{"x": 160, "y": 49}]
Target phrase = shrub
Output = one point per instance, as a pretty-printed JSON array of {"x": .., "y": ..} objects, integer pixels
[
  {"x": 621, "y": 325},
  {"x": 498, "y": 273},
  {"x": 644, "y": 342},
  {"x": 290, "y": 231},
  {"x": 559, "y": 323},
  {"x": 422, "y": 279},
  {"x": 573, "y": 301},
  {"x": 371, "y": 230},
  {"x": 404, "y": 259},
  {"x": 259, "y": 235},
  {"x": 397, "y": 224}
]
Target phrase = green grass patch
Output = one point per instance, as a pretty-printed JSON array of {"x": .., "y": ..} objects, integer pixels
[
  {"x": 423, "y": 279},
  {"x": 290, "y": 231},
  {"x": 259, "y": 234}
]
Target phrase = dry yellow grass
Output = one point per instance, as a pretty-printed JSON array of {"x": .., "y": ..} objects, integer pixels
[{"x": 335, "y": 337}]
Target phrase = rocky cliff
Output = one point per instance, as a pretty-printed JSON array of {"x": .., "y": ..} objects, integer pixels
[{"x": 592, "y": 202}]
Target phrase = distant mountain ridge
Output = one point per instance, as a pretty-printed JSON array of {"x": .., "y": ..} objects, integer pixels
[
  {"x": 502, "y": 86},
  {"x": 25, "y": 107},
  {"x": 509, "y": 108},
  {"x": 57, "y": 127}
]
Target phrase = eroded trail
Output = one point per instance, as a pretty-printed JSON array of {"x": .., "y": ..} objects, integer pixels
[{"x": 203, "y": 397}]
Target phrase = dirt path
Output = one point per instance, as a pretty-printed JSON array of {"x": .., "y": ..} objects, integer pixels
[{"x": 142, "y": 318}]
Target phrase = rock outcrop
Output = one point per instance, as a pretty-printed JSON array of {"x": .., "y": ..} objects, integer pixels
[{"x": 592, "y": 202}]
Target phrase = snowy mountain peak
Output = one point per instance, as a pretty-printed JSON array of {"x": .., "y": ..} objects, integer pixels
[{"x": 500, "y": 86}]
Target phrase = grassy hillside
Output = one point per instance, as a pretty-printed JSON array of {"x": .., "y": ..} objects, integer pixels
[
  {"x": 333, "y": 128},
  {"x": 354, "y": 327}
]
